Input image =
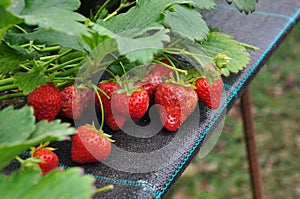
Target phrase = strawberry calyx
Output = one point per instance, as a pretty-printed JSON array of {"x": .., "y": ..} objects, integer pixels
[
  {"x": 41, "y": 146},
  {"x": 178, "y": 81},
  {"x": 101, "y": 132},
  {"x": 127, "y": 86}
]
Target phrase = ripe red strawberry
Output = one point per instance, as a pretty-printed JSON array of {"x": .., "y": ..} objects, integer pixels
[
  {"x": 90, "y": 145},
  {"x": 113, "y": 120},
  {"x": 46, "y": 101},
  {"x": 49, "y": 158},
  {"x": 177, "y": 103},
  {"x": 85, "y": 94},
  {"x": 210, "y": 93},
  {"x": 72, "y": 105},
  {"x": 131, "y": 104},
  {"x": 154, "y": 78}
]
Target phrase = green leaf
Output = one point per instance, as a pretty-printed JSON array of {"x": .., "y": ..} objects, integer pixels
[
  {"x": 244, "y": 5},
  {"x": 29, "y": 184},
  {"x": 7, "y": 21},
  {"x": 219, "y": 43},
  {"x": 186, "y": 22},
  {"x": 33, "y": 5},
  {"x": 14, "y": 125},
  {"x": 205, "y": 4},
  {"x": 11, "y": 57},
  {"x": 138, "y": 45},
  {"x": 53, "y": 15},
  {"x": 147, "y": 13},
  {"x": 27, "y": 82},
  {"x": 51, "y": 38},
  {"x": 5, "y": 3},
  {"x": 14, "y": 144}
]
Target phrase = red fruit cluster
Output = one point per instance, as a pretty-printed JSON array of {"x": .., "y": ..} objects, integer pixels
[{"x": 48, "y": 101}]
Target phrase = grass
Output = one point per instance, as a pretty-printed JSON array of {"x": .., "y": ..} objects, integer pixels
[{"x": 223, "y": 173}]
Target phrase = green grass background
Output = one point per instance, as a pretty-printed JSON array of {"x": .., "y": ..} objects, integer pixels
[{"x": 223, "y": 173}]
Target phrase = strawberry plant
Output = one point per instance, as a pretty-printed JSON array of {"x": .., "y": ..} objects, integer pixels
[{"x": 53, "y": 54}]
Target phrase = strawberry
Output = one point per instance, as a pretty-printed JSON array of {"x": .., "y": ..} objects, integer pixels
[
  {"x": 154, "y": 78},
  {"x": 209, "y": 93},
  {"x": 176, "y": 102},
  {"x": 72, "y": 106},
  {"x": 46, "y": 101},
  {"x": 48, "y": 157},
  {"x": 90, "y": 145},
  {"x": 85, "y": 94},
  {"x": 132, "y": 103},
  {"x": 113, "y": 120}
]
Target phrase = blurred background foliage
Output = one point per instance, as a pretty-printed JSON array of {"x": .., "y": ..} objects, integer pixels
[{"x": 223, "y": 173}]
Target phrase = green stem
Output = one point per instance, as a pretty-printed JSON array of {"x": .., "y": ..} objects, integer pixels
[
  {"x": 101, "y": 9},
  {"x": 173, "y": 66},
  {"x": 22, "y": 29},
  {"x": 56, "y": 58},
  {"x": 65, "y": 78},
  {"x": 8, "y": 87},
  {"x": 175, "y": 42},
  {"x": 101, "y": 106},
  {"x": 56, "y": 68},
  {"x": 47, "y": 57},
  {"x": 170, "y": 67},
  {"x": 248, "y": 46},
  {"x": 50, "y": 49},
  {"x": 106, "y": 188},
  {"x": 6, "y": 81},
  {"x": 67, "y": 72},
  {"x": 121, "y": 7},
  {"x": 12, "y": 95},
  {"x": 24, "y": 67}
]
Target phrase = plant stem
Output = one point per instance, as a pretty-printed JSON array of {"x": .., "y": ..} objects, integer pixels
[
  {"x": 22, "y": 29},
  {"x": 56, "y": 68},
  {"x": 6, "y": 81},
  {"x": 67, "y": 72},
  {"x": 106, "y": 188},
  {"x": 248, "y": 46},
  {"x": 170, "y": 67},
  {"x": 101, "y": 9},
  {"x": 8, "y": 87},
  {"x": 56, "y": 57},
  {"x": 12, "y": 95},
  {"x": 50, "y": 49},
  {"x": 101, "y": 106},
  {"x": 122, "y": 6}
]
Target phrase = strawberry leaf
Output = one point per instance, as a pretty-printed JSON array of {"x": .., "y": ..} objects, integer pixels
[
  {"x": 27, "y": 82},
  {"x": 29, "y": 184},
  {"x": 147, "y": 13},
  {"x": 137, "y": 45},
  {"x": 20, "y": 124},
  {"x": 51, "y": 38},
  {"x": 205, "y": 4},
  {"x": 7, "y": 21},
  {"x": 19, "y": 133},
  {"x": 5, "y": 3},
  {"x": 11, "y": 57},
  {"x": 217, "y": 44},
  {"x": 53, "y": 15},
  {"x": 186, "y": 22},
  {"x": 244, "y": 5}
]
